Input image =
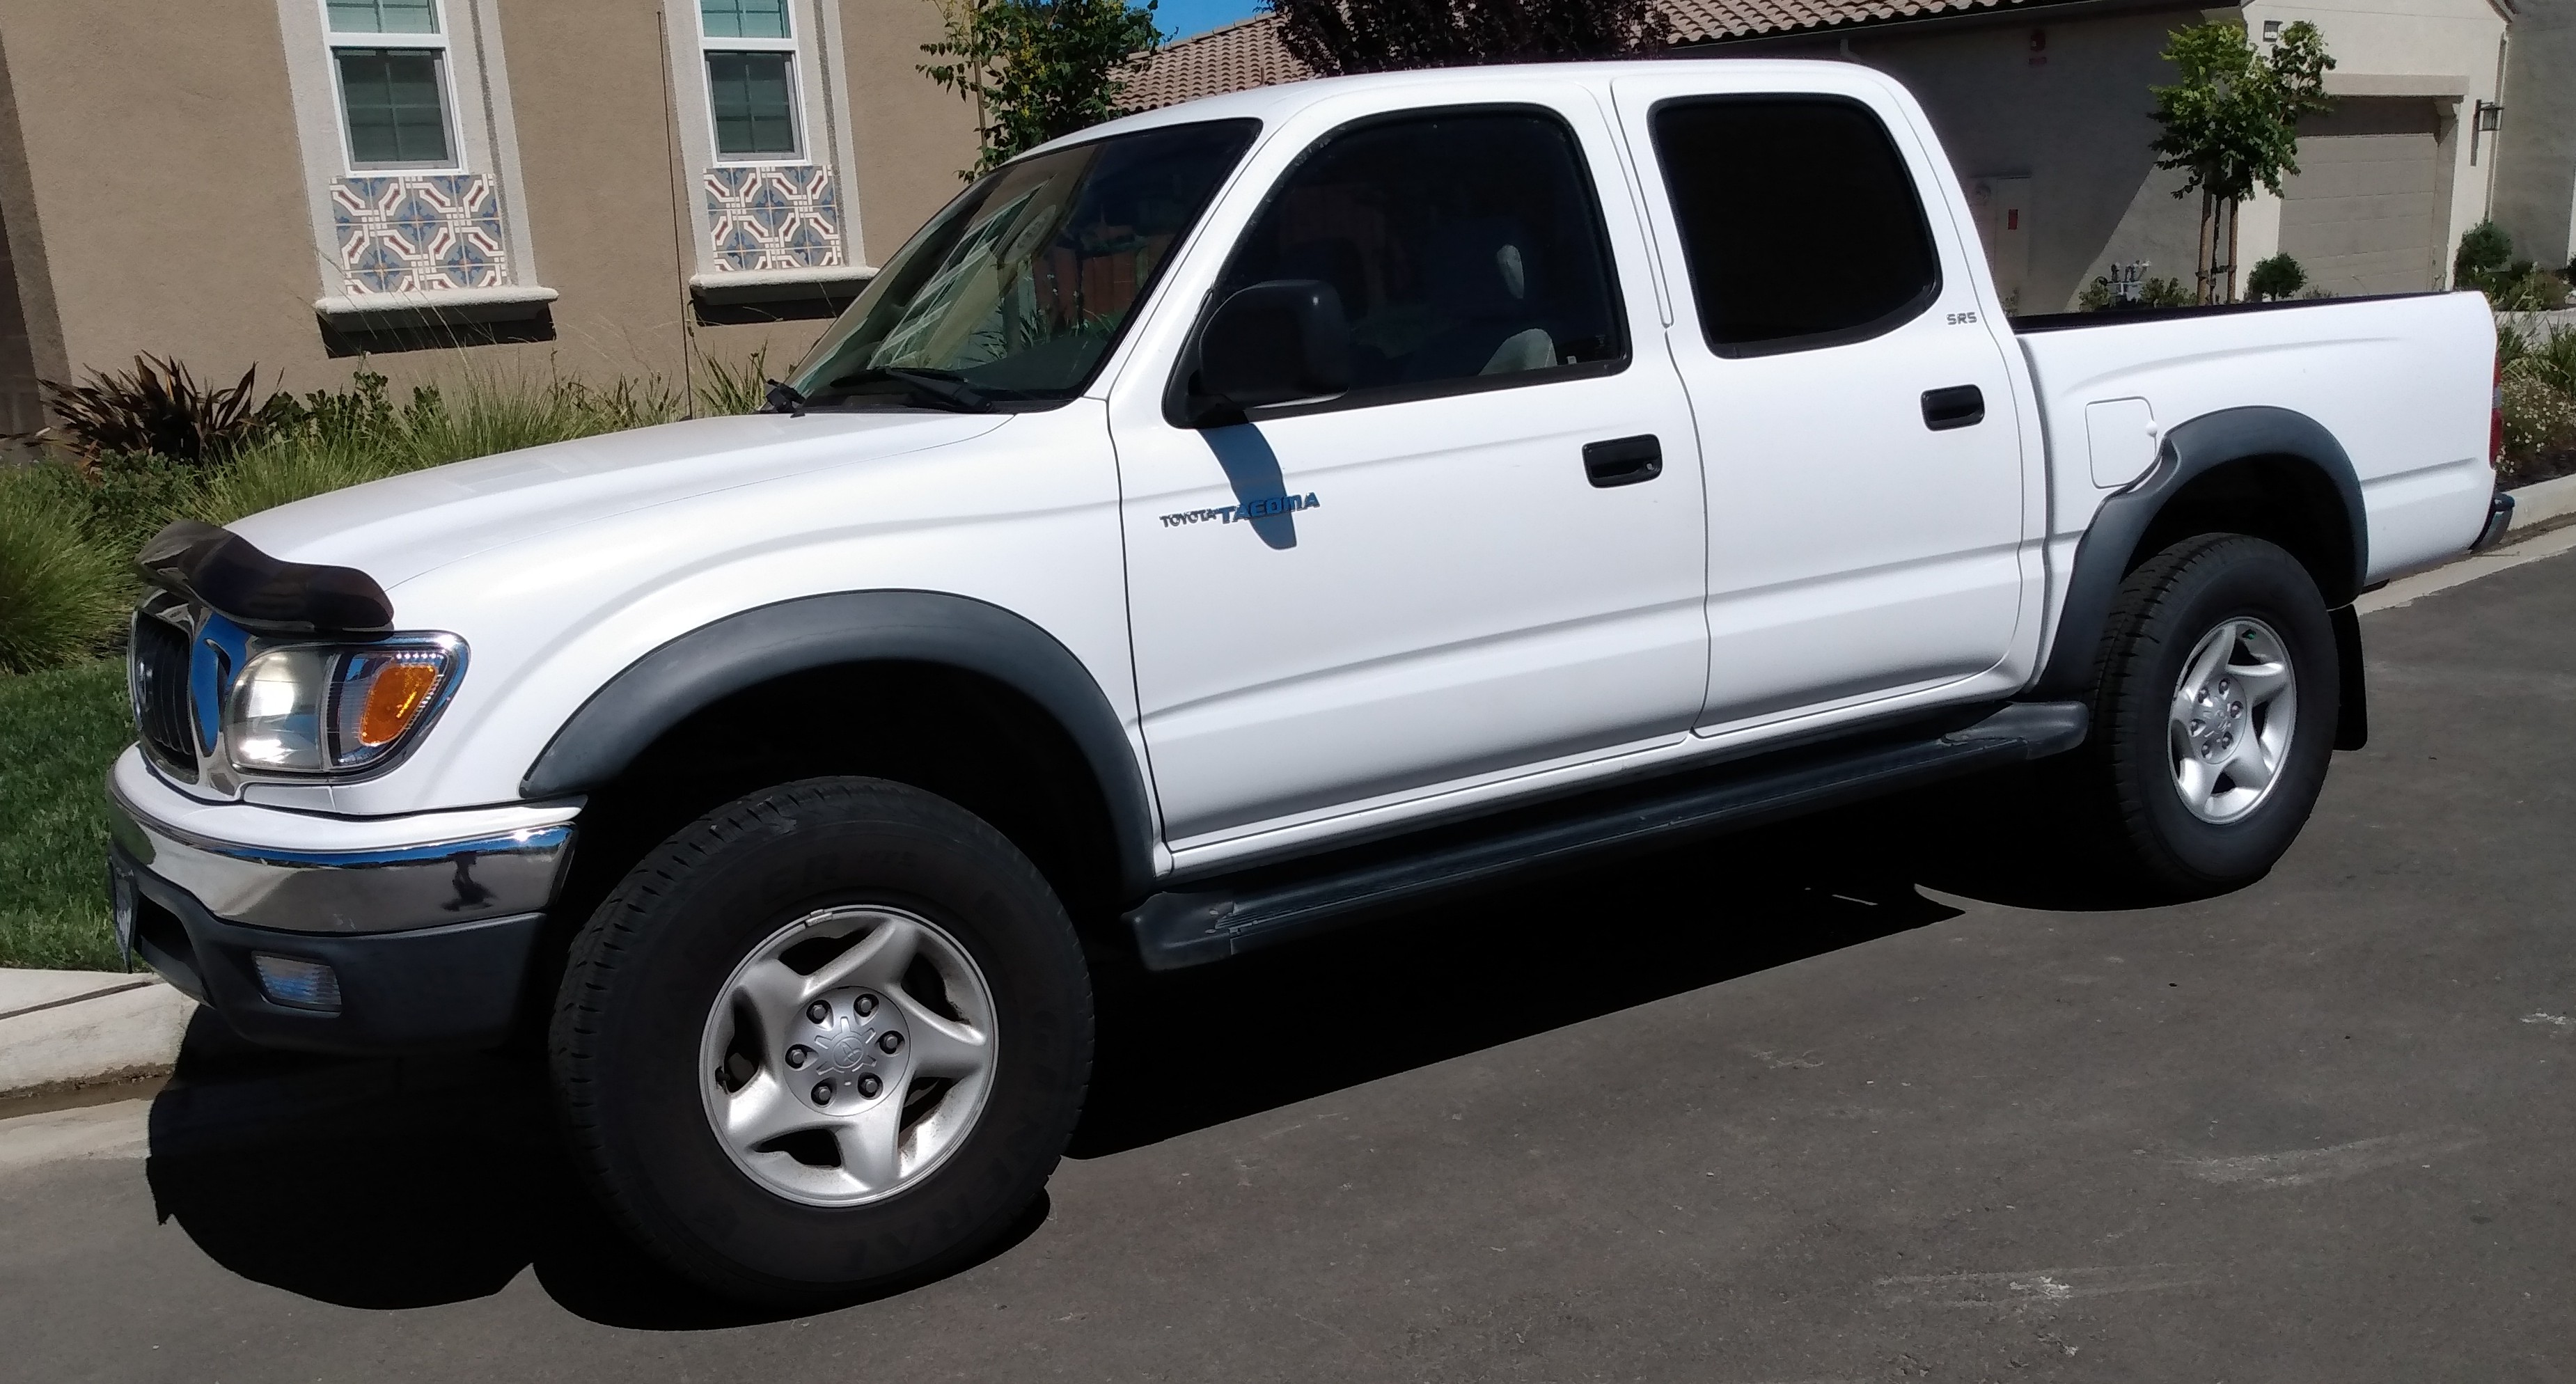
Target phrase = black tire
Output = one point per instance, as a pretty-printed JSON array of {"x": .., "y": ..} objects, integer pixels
[
  {"x": 2126, "y": 771},
  {"x": 647, "y": 967}
]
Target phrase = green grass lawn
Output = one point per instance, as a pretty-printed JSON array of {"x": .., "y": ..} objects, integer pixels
[{"x": 59, "y": 730}]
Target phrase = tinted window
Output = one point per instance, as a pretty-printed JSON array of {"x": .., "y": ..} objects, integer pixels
[
  {"x": 1798, "y": 219},
  {"x": 1463, "y": 244}
]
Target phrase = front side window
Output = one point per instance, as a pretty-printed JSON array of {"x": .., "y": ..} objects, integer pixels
[
  {"x": 1020, "y": 288},
  {"x": 1798, "y": 219},
  {"x": 393, "y": 100},
  {"x": 751, "y": 78},
  {"x": 1464, "y": 244}
]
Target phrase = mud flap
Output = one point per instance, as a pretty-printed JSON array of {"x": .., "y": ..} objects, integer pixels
[{"x": 2352, "y": 727}]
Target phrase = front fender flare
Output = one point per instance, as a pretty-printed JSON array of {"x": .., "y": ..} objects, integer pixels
[{"x": 741, "y": 651}]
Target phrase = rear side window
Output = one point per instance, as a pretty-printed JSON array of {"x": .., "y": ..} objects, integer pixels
[
  {"x": 1799, "y": 221},
  {"x": 1466, "y": 245}
]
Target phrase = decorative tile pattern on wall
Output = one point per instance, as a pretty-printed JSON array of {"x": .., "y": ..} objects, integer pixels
[
  {"x": 774, "y": 218},
  {"x": 418, "y": 234}
]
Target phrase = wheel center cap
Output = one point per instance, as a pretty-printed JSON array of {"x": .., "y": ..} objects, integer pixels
[
  {"x": 846, "y": 1049},
  {"x": 2219, "y": 720}
]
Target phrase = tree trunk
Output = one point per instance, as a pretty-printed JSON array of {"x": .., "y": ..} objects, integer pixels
[
  {"x": 2234, "y": 210},
  {"x": 2205, "y": 249}
]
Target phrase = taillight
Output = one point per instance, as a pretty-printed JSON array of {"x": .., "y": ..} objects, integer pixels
[{"x": 2495, "y": 417}]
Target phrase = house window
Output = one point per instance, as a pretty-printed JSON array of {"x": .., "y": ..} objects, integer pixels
[
  {"x": 393, "y": 99},
  {"x": 751, "y": 79}
]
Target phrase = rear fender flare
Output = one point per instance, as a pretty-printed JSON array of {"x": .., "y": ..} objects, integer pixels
[{"x": 2109, "y": 548}]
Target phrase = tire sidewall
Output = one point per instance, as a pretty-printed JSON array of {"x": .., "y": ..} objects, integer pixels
[
  {"x": 2230, "y": 578},
  {"x": 743, "y": 874}
]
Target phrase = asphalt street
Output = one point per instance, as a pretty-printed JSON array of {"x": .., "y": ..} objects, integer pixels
[{"x": 1883, "y": 1095}]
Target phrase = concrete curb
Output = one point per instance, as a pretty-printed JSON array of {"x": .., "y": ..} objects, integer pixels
[
  {"x": 2543, "y": 504},
  {"x": 76, "y": 1028}
]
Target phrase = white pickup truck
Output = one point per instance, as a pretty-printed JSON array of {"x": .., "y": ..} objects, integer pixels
[{"x": 1225, "y": 523}]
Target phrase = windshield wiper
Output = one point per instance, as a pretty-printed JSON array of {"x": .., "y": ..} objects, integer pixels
[
  {"x": 944, "y": 388},
  {"x": 782, "y": 397}
]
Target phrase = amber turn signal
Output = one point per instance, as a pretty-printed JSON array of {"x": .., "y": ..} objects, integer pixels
[{"x": 396, "y": 696}]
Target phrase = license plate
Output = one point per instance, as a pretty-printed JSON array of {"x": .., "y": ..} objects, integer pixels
[{"x": 121, "y": 900}]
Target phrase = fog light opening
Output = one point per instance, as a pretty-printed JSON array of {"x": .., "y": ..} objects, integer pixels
[{"x": 298, "y": 984}]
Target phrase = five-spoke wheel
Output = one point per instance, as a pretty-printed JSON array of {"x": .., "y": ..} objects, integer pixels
[
  {"x": 847, "y": 1054},
  {"x": 2235, "y": 711}
]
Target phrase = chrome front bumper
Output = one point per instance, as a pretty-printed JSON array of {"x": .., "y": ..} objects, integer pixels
[
  {"x": 359, "y": 891},
  {"x": 354, "y": 940}
]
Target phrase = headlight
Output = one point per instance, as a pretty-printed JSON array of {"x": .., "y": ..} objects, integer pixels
[{"x": 324, "y": 708}]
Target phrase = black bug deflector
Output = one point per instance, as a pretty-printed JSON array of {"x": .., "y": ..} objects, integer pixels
[{"x": 230, "y": 576}]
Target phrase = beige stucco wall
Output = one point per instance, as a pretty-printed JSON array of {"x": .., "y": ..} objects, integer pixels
[
  {"x": 155, "y": 196},
  {"x": 2535, "y": 197},
  {"x": 2443, "y": 45},
  {"x": 163, "y": 200},
  {"x": 912, "y": 137}
]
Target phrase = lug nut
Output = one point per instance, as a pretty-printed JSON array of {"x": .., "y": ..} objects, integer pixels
[
  {"x": 865, "y": 1004},
  {"x": 798, "y": 1056},
  {"x": 822, "y": 1093},
  {"x": 869, "y": 1085},
  {"x": 818, "y": 1012},
  {"x": 891, "y": 1042}
]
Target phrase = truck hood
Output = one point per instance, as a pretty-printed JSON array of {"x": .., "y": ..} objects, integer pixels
[{"x": 398, "y": 528}]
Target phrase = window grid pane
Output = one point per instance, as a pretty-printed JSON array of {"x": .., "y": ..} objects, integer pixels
[
  {"x": 749, "y": 92},
  {"x": 396, "y": 114},
  {"x": 744, "y": 18},
  {"x": 384, "y": 16}
]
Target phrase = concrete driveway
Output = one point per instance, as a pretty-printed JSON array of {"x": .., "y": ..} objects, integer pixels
[{"x": 1876, "y": 1097}]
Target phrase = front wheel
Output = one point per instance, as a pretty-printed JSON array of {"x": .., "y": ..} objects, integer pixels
[
  {"x": 2214, "y": 714},
  {"x": 828, "y": 1038}
]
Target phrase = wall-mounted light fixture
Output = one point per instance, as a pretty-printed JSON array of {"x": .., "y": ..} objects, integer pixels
[
  {"x": 2271, "y": 31},
  {"x": 2490, "y": 115}
]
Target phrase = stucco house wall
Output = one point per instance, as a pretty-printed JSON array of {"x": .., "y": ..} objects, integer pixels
[
  {"x": 2535, "y": 198},
  {"x": 158, "y": 186}
]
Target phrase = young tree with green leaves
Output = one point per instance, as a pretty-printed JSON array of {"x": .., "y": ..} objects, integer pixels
[
  {"x": 2232, "y": 125},
  {"x": 1335, "y": 37},
  {"x": 1037, "y": 69}
]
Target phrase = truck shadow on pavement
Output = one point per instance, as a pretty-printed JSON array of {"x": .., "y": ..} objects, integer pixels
[{"x": 400, "y": 1184}]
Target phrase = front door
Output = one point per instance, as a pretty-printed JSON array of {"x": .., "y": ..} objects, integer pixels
[
  {"x": 1425, "y": 581},
  {"x": 1867, "y": 492}
]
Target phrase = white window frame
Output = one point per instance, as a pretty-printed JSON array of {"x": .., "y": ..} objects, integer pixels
[
  {"x": 822, "y": 97},
  {"x": 334, "y": 41},
  {"x": 482, "y": 126},
  {"x": 798, "y": 62}
]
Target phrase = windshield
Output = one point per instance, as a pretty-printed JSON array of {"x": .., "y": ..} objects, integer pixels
[{"x": 1019, "y": 289}]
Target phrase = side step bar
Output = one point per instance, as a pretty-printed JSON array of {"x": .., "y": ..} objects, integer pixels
[{"x": 1227, "y": 916}]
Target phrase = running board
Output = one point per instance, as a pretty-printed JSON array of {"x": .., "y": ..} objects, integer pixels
[{"x": 1227, "y": 916}]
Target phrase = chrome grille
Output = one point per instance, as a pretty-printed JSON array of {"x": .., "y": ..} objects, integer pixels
[{"x": 160, "y": 687}]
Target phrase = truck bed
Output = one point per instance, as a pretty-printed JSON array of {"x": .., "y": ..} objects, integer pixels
[{"x": 2401, "y": 382}]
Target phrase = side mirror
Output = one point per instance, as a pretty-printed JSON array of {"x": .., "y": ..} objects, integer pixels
[{"x": 1272, "y": 343}]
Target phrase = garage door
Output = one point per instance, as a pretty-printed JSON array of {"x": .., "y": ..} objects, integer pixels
[{"x": 2362, "y": 214}]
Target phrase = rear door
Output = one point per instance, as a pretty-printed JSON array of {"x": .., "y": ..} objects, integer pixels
[
  {"x": 1866, "y": 483},
  {"x": 1485, "y": 557}
]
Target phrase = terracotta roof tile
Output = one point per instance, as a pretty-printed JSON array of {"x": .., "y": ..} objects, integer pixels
[{"x": 1248, "y": 54}]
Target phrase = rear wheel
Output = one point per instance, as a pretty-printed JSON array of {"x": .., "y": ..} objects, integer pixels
[
  {"x": 2214, "y": 714},
  {"x": 827, "y": 1039}
]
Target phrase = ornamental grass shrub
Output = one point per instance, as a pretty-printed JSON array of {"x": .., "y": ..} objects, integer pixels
[{"x": 61, "y": 593}]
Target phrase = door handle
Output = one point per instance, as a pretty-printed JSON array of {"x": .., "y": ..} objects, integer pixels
[
  {"x": 1959, "y": 406},
  {"x": 1623, "y": 460}
]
